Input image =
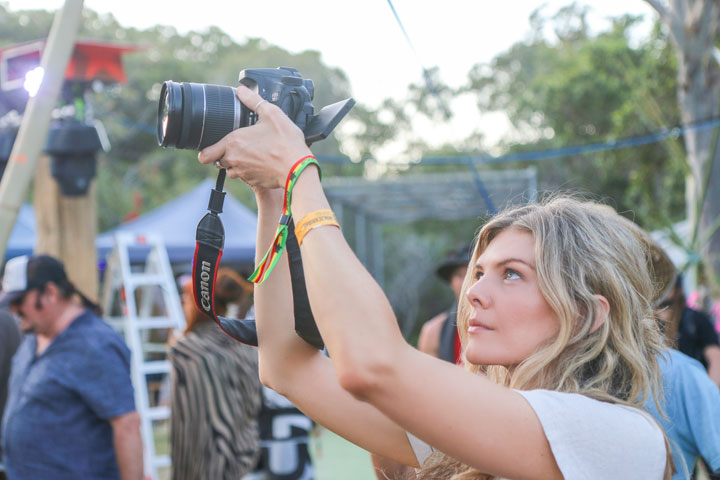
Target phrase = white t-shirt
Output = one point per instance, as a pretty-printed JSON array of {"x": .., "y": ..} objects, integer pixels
[{"x": 592, "y": 440}]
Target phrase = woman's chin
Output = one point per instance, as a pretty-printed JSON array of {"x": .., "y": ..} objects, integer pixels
[
  {"x": 475, "y": 358},
  {"x": 485, "y": 357}
]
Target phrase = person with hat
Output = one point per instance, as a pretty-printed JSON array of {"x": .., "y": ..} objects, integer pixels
[
  {"x": 439, "y": 336},
  {"x": 70, "y": 411}
]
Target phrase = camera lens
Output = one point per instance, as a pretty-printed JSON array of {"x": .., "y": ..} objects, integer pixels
[{"x": 195, "y": 115}]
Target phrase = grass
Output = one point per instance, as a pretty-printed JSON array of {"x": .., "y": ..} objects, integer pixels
[{"x": 336, "y": 458}]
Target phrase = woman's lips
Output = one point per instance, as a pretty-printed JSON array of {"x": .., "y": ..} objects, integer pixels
[{"x": 476, "y": 327}]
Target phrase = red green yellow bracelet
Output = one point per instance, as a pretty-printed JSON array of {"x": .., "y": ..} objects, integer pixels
[{"x": 267, "y": 264}]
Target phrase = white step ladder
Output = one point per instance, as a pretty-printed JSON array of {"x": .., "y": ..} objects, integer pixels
[{"x": 151, "y": 286}]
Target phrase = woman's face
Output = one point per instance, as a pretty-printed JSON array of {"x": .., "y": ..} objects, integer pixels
[{"x": 509, "y": 317}]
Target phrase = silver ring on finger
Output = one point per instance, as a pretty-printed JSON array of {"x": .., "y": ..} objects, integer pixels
[
  {"x": 218, "y": 164},
  {"x": 259, "y": 103}
]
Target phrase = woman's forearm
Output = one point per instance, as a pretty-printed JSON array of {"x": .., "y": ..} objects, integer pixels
[
  {"x": 352, "y": 312},
  {"x": 277, "y": 339},
  {"x": 300, "y": 372}
]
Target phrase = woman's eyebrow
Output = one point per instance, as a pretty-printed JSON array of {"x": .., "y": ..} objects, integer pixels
[{"x": 502, "y": 263}]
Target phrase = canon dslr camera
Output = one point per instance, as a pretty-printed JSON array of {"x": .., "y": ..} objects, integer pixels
[{"x": 195, "y": 115}]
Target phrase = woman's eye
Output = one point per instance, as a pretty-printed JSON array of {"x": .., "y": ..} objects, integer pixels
[
  {"x": 478, "y": 274},
  {"x": 511, "y": 274}
]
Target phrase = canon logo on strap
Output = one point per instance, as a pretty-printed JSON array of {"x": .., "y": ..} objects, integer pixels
[{"x": 204, "y": 286}]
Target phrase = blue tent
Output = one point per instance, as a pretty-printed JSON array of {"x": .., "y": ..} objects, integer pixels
[
  {"x": 22, "y": 237},
  {"x": 175, "y": 222}
]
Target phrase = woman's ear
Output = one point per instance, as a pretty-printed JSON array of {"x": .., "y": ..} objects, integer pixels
[{"x": 602, "y": 311}]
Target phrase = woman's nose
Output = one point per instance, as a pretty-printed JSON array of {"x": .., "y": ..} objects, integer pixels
[{"x": 478, "y": 293}]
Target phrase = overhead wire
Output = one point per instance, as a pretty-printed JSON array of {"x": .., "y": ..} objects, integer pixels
[
  {"x": 480, "y": 186},
  {"x": 660, "y": 135}
]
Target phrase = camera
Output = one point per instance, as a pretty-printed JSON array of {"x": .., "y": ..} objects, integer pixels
[{"x": 195, "y": 115}]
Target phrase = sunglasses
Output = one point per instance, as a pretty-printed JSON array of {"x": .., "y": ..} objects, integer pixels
[
  {"x": 664, "y": 304},
  {"x": 19, "y": 300}
]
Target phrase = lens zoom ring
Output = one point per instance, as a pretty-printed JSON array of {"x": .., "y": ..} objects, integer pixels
[{"x": 219, "y": 113}]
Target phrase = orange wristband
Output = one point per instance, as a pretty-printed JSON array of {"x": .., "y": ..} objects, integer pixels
[{"x": 318, "y": 218}]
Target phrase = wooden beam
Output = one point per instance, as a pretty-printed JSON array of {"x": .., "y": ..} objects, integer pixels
[{"x": 66, "y": 229}]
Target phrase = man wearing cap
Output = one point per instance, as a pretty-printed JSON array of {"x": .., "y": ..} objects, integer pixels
[
  {"x": 70, "y": 412},
  {"x": 439, "y": 336}
]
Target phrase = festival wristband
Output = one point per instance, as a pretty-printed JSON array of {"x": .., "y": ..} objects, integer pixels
[
  {"x": 318, "y": 218},
  {"x": 268, "y": 262}
]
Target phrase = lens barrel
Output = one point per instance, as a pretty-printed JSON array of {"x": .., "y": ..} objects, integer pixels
[{"x": 195, "y": 115}]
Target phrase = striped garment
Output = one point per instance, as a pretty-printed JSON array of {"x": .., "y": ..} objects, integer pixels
[{"x": 215, "y": 403}]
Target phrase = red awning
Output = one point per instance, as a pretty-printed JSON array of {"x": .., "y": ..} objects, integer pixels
[{"x": 91, "y": 60}]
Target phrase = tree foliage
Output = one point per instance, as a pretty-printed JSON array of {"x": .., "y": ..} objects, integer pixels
[
  {"x": 136, "y": 167},
  {"x": 581, "y": 88}
]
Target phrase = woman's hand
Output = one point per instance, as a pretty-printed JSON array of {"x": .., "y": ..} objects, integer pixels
[{"x": 261, "y": 154}]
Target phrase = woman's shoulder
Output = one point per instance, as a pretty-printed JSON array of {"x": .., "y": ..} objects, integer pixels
[
  {"x": 585, "y": 433},
  {"x": 563, "y": 405}
]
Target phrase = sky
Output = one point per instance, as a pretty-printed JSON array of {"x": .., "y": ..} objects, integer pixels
[{"x": 363, "y": 38}]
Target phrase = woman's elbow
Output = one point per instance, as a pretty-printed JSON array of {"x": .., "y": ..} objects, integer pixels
[
  {"x": 269, "y": 376},
  {"x": 364, "y": 380}
]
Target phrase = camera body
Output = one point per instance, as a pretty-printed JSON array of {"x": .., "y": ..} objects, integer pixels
[{"x": 195, "y": 115}]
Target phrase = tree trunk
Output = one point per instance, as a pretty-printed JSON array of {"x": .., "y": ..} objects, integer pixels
[{"x": 693, "y": 26}]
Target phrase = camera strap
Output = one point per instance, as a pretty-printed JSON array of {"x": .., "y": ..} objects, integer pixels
[
  {"x": 210, "y": 241},
  {"x": 210, "y": 238}
]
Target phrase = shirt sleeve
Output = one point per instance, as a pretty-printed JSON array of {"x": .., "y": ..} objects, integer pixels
[
  {"x": 421, "y": 449},
  {"x": 701, "y": 404},
  {"x": 592, "y": 439},
  {"x": 102, "y": 378}
]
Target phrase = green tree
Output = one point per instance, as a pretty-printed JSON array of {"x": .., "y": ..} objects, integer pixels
[
  {"x": 582, "y": 88},
  {"x": 136, "y": 167}
]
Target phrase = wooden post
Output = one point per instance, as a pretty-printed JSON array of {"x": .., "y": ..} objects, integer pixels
[
  {"x": 66, "y": 229},
  {"x": 34, "y": 127}
]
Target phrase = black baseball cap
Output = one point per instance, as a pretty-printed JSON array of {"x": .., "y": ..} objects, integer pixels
[
  {"x": 460, "y": 257},
  {"x": 25, "y": 273}
]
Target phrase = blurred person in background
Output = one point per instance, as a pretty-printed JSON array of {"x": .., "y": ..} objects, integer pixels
[
  {"x": 70, "y": 410},
  {"x": 9, "y": 341},
  {"x": 215, "y": 389},
  {"x": 690, "y": 404},
  {"x": 439, "y": 336},
  {"x": 690, "y": 331}
]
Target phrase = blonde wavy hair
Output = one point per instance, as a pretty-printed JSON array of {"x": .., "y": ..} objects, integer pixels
[{"x": 582, "y": 249}]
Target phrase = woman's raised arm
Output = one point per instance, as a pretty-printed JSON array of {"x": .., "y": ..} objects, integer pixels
[{"x": 300, "y": 372}]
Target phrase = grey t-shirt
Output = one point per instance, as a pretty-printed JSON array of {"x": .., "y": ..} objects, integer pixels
[{"x": 9, "y": 340}]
